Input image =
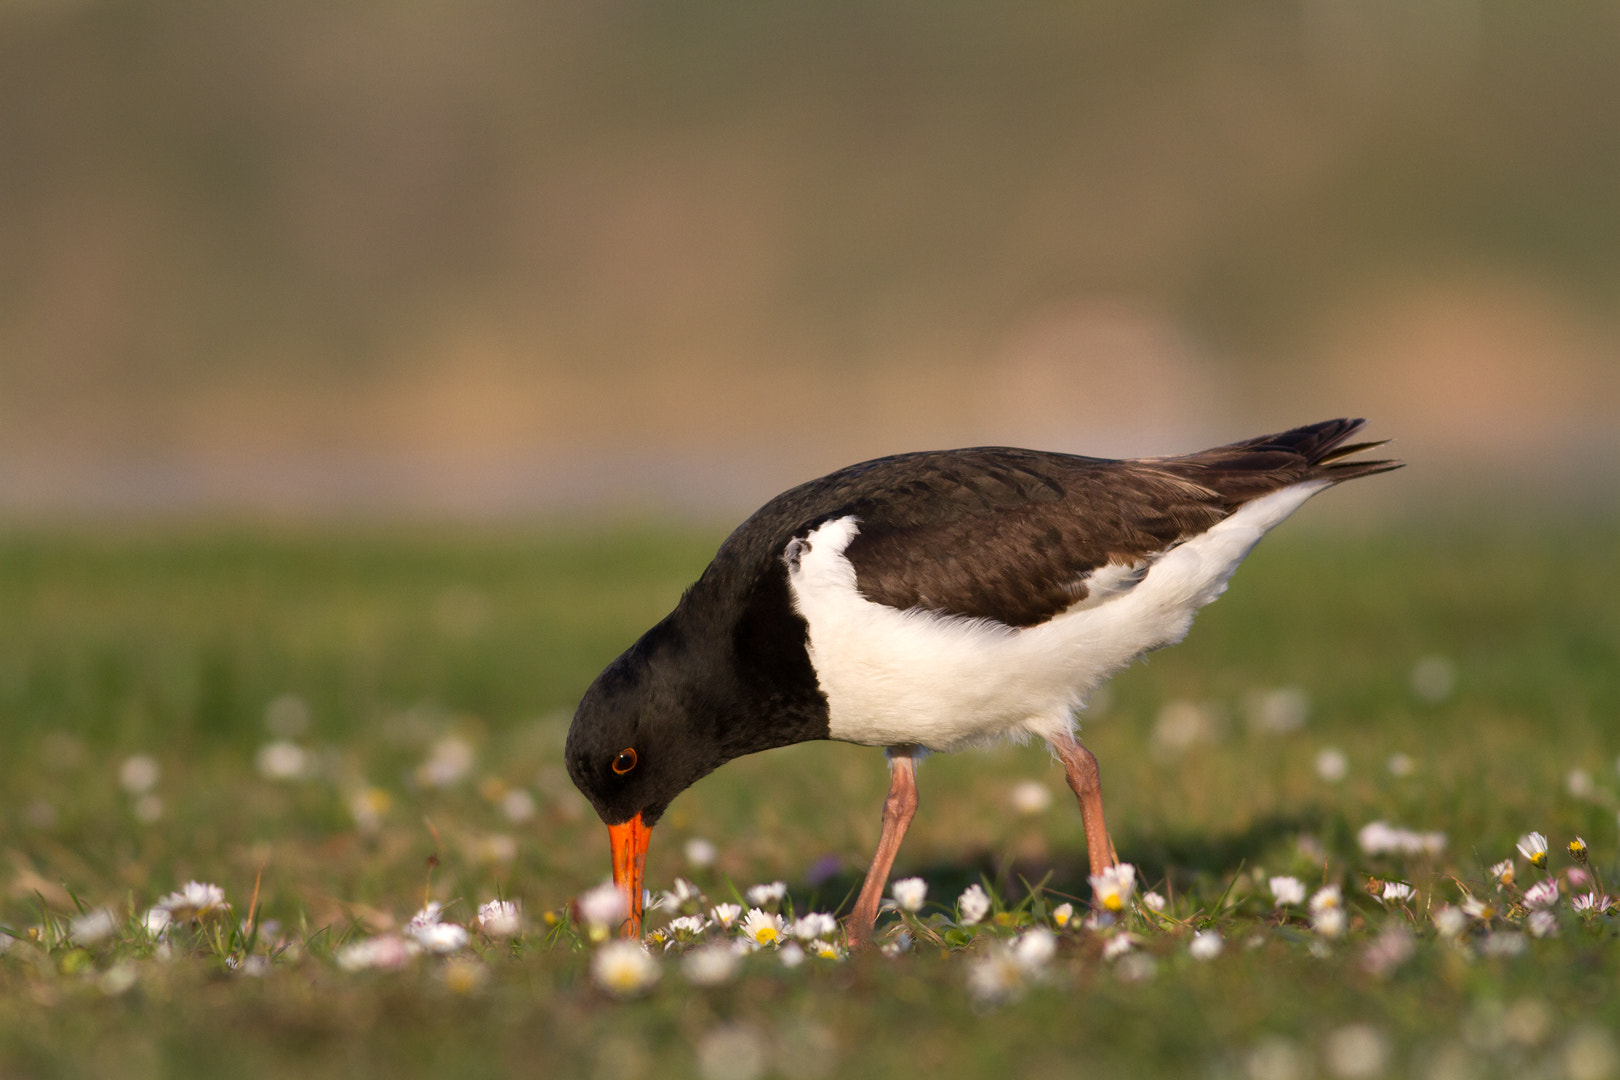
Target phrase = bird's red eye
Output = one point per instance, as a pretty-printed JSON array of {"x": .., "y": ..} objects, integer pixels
[{"x": 625, "y": 761}]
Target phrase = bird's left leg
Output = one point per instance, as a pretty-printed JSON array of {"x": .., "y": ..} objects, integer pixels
[
  {"x": 1084, "y": 778},
  {"x": 898, "y": 810}
]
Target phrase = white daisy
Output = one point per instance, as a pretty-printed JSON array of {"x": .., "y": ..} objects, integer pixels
[
  {"x": 974, "y": 904},
  {"x": 813, "y": 925},
  {"x": 700, "y": 853},
  {"x": 711, "y": 965},
  {"x": 1397, "y": 892},
  {"x": 282, "y": 760},
  {"x": 1327, "y": 911},
  {"x": 157, "y": 920},
  {"x": 1332, "y": 765},
  {"x": 1153, "y": 902},
  {"x": 1112, "y": 888},
  {"x": 1329, "y": 922},
  {"x": 501, "y": 918},
  {"x": 762, "y": 895},
  {"x": 1031, "y": 797},
  {"x": 1591, "y": 902},
  {"x": 139, "y": 774},
  {"x": 1450, "y": 922},
  {"x": 1534, "y": 848},
  {"x": 1503, "y": 873},
  {"x": 726, "y": 914},
  {"x": 996, "y": 976},
  {"x": 1288, "y": 891},
  {"x": 92, "y": 926},
  {"x": 909, "y": 893},
  {"x": 195, "y": 901},
  {"x": 386, "y": 952},
  {"x": 1205, "y": 945},
  {"x": 827, "y": 950},
  {"x": 1118, "y": 946},
  {"x": 687, "y": 924},
  {"x": 428, "y": 916},
  {"x": 1035, "y": 948},
  {"x": 1064, "y": 912},
  {"x": 682, "y": 894},
  {"x": 624, "y": 968},
  {"x": 603, "y": 908},
  {"x": 1542, "y": 894},
  {"x": 1328, "y": 896},
  {"x": 440, "y": 937},
  {"x": 790, "y": 954},
  {"x": 760, "y": 928}
]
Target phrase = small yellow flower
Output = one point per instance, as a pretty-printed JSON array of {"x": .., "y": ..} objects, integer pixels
[
  {"x": 1062, "y": 914},
  {"x": 1577, "y": 850}
]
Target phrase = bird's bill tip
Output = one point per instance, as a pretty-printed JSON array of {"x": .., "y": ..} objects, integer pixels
[{"x": 629, "y": 840}]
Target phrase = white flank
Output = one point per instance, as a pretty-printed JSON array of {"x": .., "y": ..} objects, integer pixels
[{"x": 897, "y": 678}]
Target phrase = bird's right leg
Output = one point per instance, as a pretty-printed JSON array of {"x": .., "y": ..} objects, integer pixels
[
  {"x": 1081, "y": 766},
  {"x": 898, "y": 810}
]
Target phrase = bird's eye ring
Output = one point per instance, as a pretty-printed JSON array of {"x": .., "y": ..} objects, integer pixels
[{"x": 625, "y": 761}]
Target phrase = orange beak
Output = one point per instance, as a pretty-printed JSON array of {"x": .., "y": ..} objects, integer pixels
[{"x": 630, "y": 866}]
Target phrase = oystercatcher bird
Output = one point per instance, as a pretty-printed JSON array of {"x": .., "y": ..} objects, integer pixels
[{"x": 929, "y": 602}]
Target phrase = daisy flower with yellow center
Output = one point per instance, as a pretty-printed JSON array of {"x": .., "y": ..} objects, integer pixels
[
  {"x": 760, "y": 928},
  {"x": 623, "y": 968},
  {"x": 1534, "y": 848},
  {"x": 827, "y": 950},
  {"x": 1503, "y": 873},
  {"x": 1113, "y": 887},
  {"x": 195, "y": 901}
]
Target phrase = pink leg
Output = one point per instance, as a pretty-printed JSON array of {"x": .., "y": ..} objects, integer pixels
[
  {"x": 898, "y": 810},
  {"x": 1084, "y": 778}
]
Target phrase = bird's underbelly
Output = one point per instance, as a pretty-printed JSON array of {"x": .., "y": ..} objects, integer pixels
[
  {"x": 894, "y": 677},
  {"x": 942, "y": 682}
]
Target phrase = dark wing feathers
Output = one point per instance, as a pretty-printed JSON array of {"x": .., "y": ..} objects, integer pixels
[{"x": 1010, "y": 535}]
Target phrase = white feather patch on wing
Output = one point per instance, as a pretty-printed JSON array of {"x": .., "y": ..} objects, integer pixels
[{"x": 942, "y": 682}]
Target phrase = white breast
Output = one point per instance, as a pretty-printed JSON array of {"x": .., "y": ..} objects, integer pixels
[{"x": 943, "y": 682}]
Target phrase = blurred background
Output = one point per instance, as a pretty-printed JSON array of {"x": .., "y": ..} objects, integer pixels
[{"x": 502, "y": 259}]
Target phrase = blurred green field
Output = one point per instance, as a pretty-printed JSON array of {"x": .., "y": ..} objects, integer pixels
[{"x": 385, "y": 656}]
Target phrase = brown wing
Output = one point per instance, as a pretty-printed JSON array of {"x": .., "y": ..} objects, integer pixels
[{"x": 1015, "y": 535}]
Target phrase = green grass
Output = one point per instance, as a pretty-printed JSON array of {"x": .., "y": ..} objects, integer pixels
[{"x": 172, "y": 643}]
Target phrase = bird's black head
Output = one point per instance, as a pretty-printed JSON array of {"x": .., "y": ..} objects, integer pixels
[{"x": 637, "y": 740}]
